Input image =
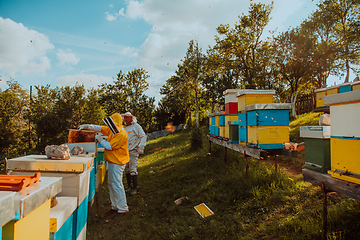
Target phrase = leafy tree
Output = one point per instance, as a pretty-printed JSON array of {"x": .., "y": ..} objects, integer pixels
[
  {"x": 93, "y": 111},
  {"x": 239, "y": 47},
  {"x": 346, "y": 15},
  {"x": 13, "y": 104},
  {"x": 127, "y": 93}
]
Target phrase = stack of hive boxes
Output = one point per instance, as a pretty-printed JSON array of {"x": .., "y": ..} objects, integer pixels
[
  {"x": 231, "y": 115},
  {"x": 321, "y": 93},
  {"x": 345, "y": 135},
  {"x": 262, "y": 123},
  {"x": 317, "y": 150}
]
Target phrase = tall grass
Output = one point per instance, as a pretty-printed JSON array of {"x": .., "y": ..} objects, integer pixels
[{"x": 258, "y": 204}]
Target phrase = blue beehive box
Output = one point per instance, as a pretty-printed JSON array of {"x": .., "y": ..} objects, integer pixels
[
  {"x": 242, "y": 119},
  {"x": 274, "y": 114},
  {"x": 243, "y": 134},
  {"x": 345, "y": 88},
  {"x": 222, "y": 120}
]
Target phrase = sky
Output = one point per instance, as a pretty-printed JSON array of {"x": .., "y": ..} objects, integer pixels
[{"x": 65, "y": 42}]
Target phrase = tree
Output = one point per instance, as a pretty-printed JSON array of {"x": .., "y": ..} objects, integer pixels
[
  {"x": 239, "y": 47},
  {"x": 127, "y": 93},
  {"x": 13, "y": 104},
  {"x": 344, "y": 16}
]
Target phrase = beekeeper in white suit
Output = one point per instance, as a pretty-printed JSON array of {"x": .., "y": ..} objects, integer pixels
[{"x": 137, "y": 143}]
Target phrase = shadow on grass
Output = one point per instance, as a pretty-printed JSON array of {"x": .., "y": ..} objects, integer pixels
[{"x": 259, "y": 204}]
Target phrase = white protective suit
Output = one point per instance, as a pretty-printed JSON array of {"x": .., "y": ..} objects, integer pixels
[{"x": 136, "y": 139}]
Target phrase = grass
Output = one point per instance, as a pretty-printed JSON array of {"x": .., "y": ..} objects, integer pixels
[{"x": 259, "y": 204}]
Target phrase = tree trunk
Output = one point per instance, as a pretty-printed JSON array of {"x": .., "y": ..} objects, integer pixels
[{"x": 293, "y": 102}]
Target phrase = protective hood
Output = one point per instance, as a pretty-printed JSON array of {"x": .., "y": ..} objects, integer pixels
[
  {"x": 134, "y": 120},
  {"x": 114, "y": 123}
]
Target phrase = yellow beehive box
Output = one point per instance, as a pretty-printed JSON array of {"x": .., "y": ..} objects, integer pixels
[
  {"x": 210, "y": 121},
  {"x": 229, "y": 117},
  {"x": 34, "y": 226},
  {"x": 268, "y": 137},
  {"x": 217, "y": 121},
  {"x": 222, "y": 131},
  {"x": 320, "y": 94},
  {"x": 101, "y": 175},
  {"x": 356, "y": 86},
  {"x": 249, "y": 96},
  {"x": 345, "y": 155},
  {"x": 332, "y": 90}
]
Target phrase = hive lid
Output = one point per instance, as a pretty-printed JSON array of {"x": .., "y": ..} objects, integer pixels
[
  {"x": 7, "y": 208},
  {"x": 41, "y": 163},
  {"x": 263, "y": 106},
  {"x": 231, "y": 91},
  {"x": 346, "y": 97},
  {"x": 254, "y": 91}
]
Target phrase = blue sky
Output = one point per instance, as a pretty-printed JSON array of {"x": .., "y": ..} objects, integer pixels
[{"x": 63, "y": 42}]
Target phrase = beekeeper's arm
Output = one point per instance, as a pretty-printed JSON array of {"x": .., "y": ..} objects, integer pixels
[
  {"x": 92, "y": 127},
  {"x": 141, "y": 134},
  {"x": 103, "y": 142}
]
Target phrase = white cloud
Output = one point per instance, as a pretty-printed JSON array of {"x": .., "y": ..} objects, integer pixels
[
  {"x": 89, "y": 80},
  {"x": 66, "y": 58},
  {"x": 112, "y": 17},
  {"x": 175, "y": 23},
  {"x": 22, "y": 50}
]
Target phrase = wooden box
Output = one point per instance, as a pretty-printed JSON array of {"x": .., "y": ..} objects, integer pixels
[
  {"x": 345, "y": 155},
  {"x": 222, "y": 120},
  {"x": 229, "y": 117},
  {"x": 217, "y": 121},
  {"x": 345, "y": 119},
  {"x": 243, "y": 136},
  {"x": 222, "y": 131},
  {"x": 268, "y": 117},
  {"x": 346, "y": 87},
  {"x": 249, "y": 97},
  {"x": 242, "y": 119},
  {"x": 317, "y": 154},
  {"x": 320, "y": 94},
  {"x": 268, "y": 137},
  {"x": 62, "y": 218},
  {"x": 233, "y": 132},
  {"x": 356, "y": 86}
]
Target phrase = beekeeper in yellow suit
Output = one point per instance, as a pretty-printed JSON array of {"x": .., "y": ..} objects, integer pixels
[{"x": 117, "y": 154}]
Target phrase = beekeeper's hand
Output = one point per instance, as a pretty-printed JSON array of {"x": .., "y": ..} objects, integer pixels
[
  {"x": 140, "y": 150},
  {"x": 98, "y": 138},
  {"x": 84, "y": 127}
]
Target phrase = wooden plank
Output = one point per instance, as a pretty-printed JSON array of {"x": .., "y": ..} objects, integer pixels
[
  {"x": 253, "y": 152},
  {"x": 345, "y": 188}
]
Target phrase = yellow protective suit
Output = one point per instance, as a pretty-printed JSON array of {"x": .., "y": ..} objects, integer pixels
[{"x": 119, "y": 142}]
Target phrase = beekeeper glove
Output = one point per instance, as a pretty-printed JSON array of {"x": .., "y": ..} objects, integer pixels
[
  {"x": 103, "y": 142},
  {"x": 140, "y": 150},
  {"x": 98, "y": 138},
  {"x": 92, "y": 127},
  {"x": 84, "y": 127}
]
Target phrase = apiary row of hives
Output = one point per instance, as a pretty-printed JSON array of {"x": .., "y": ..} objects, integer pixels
[
  {"x": 27, "y": 214},
  {"x": 335, "y": 149},
  {"x": 251, "y": 118}
]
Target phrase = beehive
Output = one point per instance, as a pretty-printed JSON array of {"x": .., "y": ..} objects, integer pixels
[
  {"x": 248, "y": 97},
  {"x": 268, "y": 137},
  {"x": 320, "y": 94},
  {"x": 222, "y": 120},
  {"x": 332, "y": 90},
  {"x": 222, "y": 131},
  {"x": 32, "y": 211},
  {"x": 233, "y": 132},
  {"x": 62, "y": 218},
  {"x": 356, "y": 86},
  {"x": 345, "y": 135},
  {"x": 229, "y": 117},
  {"x": 231, "y": 103},
  {"x": 346, "y": 87},
  {"x": 272, "y": 114}
]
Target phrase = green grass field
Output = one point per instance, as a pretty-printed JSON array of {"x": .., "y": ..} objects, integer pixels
[{"x": 259, "y": 204}]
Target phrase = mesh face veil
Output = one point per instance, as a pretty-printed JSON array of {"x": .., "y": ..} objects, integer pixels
[{"x": 111, "y": 125}]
